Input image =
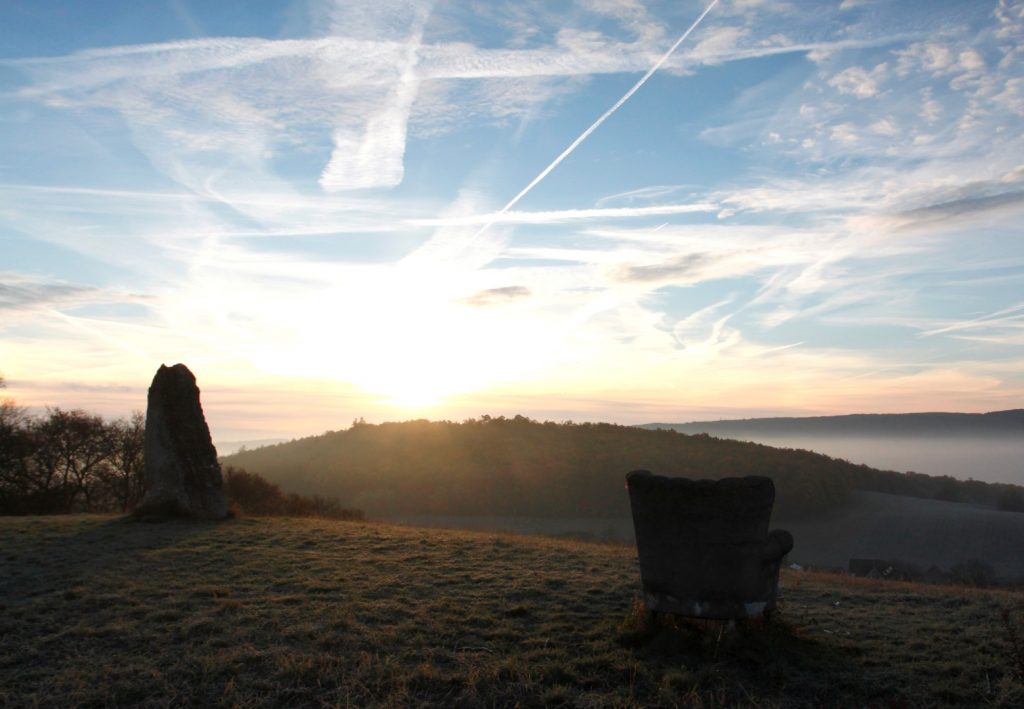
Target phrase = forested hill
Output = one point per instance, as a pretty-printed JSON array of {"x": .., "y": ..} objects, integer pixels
[
  {"x": 995, "y": 424},
  {"x": 502, "y": 466}
]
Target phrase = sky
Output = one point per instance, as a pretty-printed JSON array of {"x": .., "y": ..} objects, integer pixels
[{"x": 423, "y": 209}]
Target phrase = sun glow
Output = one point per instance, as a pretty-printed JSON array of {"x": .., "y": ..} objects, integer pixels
[{"x": 406, "y": 338}]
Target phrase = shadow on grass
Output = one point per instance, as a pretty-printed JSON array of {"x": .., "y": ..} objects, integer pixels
[
  {"x": 733, "y": 661},
  {"x": 43, "y": 556}
]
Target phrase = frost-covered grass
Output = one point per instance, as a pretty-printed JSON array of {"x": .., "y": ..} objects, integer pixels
[{"x": 306, "y": 612}]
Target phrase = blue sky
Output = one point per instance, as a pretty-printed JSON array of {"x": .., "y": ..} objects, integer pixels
[{"x": 809, "y": 208}]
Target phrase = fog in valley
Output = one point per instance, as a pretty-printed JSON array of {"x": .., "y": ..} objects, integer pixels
[{"x": 999, "y": 460}]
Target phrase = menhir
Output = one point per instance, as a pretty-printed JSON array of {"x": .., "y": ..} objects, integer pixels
[{"x": 182, "y": 475}]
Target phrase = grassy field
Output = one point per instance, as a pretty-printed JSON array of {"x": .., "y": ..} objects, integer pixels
[
  {"x": 267, "y": 612},
  {"x": 873, "y": 525}
]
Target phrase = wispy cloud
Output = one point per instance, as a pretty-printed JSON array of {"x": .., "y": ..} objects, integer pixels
[
  {"x": 19, "y": 294},
  {"x": 198, "y": 100},
  {"x": 566, "y": 215},
  {"x": 498, "y": 296},
  {"x": 964, "y": 206},
  {"x": 375, "y": 156},
  {"x": 681, "y": 269},
  {"x": 1012, "y": 317}
]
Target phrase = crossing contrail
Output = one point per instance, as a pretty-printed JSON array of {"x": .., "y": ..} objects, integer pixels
[{"x": 604, "y": 116}]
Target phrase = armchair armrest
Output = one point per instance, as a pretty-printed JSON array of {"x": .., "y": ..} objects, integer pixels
[{"x": 780, "y": 542}]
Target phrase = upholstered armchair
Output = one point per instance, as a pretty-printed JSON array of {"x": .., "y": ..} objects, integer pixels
[{"x": 704, "y": 545}]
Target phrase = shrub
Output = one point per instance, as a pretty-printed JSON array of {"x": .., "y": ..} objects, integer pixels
[
  {"x": 1010, "y": 499},
  {"x": 252, "y": 494},
  {"x": 973, "y": 572}
]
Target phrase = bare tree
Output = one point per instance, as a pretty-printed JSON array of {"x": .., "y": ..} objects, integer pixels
[
  {"x": 15, "y": 445},
  {"x": 71, "y": 448},
  {"x": 68, "y": 461},
  {"x": 122, "y": 476}
]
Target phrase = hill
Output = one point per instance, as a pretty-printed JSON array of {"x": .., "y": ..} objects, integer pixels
[
  {"x": 298, "y": 612},
  {"x": 520, "y": 467},
  {"x": 995, "y": 424},
  {"x": 921, "y": 534}
]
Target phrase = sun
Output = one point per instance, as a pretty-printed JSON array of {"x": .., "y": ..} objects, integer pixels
[
  {"x": 411, "y": 345},
  {"x": 423, "y": 379}
]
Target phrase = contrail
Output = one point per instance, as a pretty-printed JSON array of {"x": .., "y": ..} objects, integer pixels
[{"x": 586, "y": 134}]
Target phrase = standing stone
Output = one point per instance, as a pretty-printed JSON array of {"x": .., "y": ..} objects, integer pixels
[{"x": 182, "y": 475}]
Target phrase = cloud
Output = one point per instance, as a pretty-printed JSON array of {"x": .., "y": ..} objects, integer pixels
[
  {"x": 210, "y": 110},
  {"x": 375, "y": 155},
  {"x": 338, "y": 62},
  {"x": 57, "y": 310},
  {"x": 687, "y": 268},
  {"x": 954, "y": 103},
  {"x": 719, "y": 42},
  {"x": 191, "y": 104},
  {"x": 1011, "y": 98},
  {"x": 391, "y": 20},
  {"x": 991, "y": 327},
  {"x": 642, "y": 194},
  {"x": 864, "y": 199},
  {"x": 931, "y": 110},
  {"x": 455, "y": 247},
  {"x": 566, "y": 215},
  {"x": 498, "y": 296},
  {"x": 884, "y": 126},
  {"x": 632, "y": 15},
  {"x": 932, "y": 56},
  {"x": 706, "y": 332},
  {"x": 979, "y": 204},
  {"x": 845, "y": 133},
  {"x": 17, "y": 293},
  {"x": 607, "y": 114},
  {"x": 679, "y": 255},
  {"x": 963, "y": 63},
  {"x": 859, "y": 82},
  {"x": 971, "y": 61},
  {"x": 753, "y": 10}
]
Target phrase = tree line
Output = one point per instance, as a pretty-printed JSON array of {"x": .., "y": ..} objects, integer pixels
[
  {"x": 69, "y": 461},
  {"x": 63, "y": 461}
]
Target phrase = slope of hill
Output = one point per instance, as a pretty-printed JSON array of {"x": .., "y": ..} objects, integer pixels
[
  {"x": 995, "y": 424},
  {"x": 297, "y": 612},
  {"x": 519, "y": 467},
  {"x": 920, "y": 533}
]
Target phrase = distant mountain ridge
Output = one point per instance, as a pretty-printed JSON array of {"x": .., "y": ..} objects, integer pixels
[{"x": 995, "y": 424}]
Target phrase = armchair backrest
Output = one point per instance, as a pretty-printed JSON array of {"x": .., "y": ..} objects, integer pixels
[
  {"x": 724, "y": 511},
  {"x": 704, "y": 545}
]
